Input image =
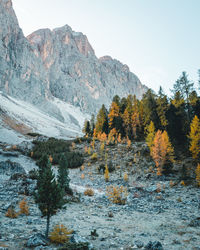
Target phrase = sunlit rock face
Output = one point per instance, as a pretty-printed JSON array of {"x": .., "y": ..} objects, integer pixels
[
  {"x": 59, "y": 63},
  {"x": 76, "y": 75}
]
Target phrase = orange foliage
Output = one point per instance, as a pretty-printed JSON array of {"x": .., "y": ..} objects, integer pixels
[
  {"x": 24, "y": 208},
  {"x": 162, "y": 150}
]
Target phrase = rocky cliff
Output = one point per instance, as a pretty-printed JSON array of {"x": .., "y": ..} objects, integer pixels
[
  {"x": 59, "y": 63},
  {"x": 76, "y": 75}
]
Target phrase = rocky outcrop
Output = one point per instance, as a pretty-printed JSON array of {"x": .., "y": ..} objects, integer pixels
[
  {"x": 76, "y": 75},
  {"x": 21, "y": 72},
  {"x": 59, "y": 63}
]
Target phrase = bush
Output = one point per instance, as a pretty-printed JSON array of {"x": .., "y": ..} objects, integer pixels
[
  {"x": 24, "y": 208},
  {"x": 111, "y": 167},
  {"x": 55, "y": 148},
  {"x": 117, "y": 195},
  {"x": 89, "y": 192},
  {"x": 101, "y": 168},
  {"x": 11, "y": 213},
  {"x": 33, "y": 174},
  {"x": 94, "y": 157},
  {"x": 60, "y": 234}
]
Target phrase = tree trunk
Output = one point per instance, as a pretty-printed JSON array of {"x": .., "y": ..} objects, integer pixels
[{"x": 47, "y": 228}]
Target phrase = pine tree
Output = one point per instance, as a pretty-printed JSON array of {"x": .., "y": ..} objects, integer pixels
[
  {"x": 162, "y": 108},
  {"x": 86, "y": 128},
  {"x": 194, "y": 137},
  {"x": 49, "y": 195},
  {"x": 63, "y": 175},
  {"x": 102, "y": 121}
]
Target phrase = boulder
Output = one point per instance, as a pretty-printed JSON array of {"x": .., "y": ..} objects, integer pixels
[
  {"x": 36, "y": 240},
  {"x": 8, "y": 168}
]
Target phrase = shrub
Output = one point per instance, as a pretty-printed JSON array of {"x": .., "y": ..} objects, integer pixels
[
  {"x": 55, "y": 149},
  {"x": 116, "y": 194},
  {"x": 101, "y": 168},
  {"x": 111, "y": 167},
  {"x": 11, "y": 213},
  {"x": 125, "y": 177},
  {"x": 198, "y": 175},
  {"x": 106, "y": 174},
  {"x": 89, "y": 192},
  {"x": 94, "y": 157},
  {"x": 60, "y": 234},
  {"x": 24, "y": 208},
  {"x": 33, "y": 174}
]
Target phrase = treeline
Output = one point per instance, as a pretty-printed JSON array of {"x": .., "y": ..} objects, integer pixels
[{"x": 130, "y": 118}]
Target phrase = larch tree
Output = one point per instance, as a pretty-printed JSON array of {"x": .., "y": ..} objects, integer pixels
[
  {"x": 194, "y": 137},
  {"x": 150, "y": 136},
  {"x": 162, "y": 150}
]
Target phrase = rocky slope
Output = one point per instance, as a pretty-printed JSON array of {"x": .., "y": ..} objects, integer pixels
[{"x": 157, "y": 214}]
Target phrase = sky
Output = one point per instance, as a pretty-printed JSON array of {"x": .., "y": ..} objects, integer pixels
[{"x": 157, "y": 39}]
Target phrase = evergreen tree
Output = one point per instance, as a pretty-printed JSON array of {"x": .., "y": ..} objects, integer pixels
[
  {"x": 194, "y": 137},
  {"x": 102, "y": 121},
  {"x": 162, "y": 108},
  {"x": 150, "y": 109},
  {"x": 92, "y": 124},
  {"x": 86, "y": 128},
  {"x": 184, "y": 87},
  {"x": 63, "y": 175},
  {"x": 49, "y": 195}
]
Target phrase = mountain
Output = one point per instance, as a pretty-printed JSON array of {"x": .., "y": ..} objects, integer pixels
[
  {"x": 76, "y": 75},
  {"x": 55, "y": 66}
]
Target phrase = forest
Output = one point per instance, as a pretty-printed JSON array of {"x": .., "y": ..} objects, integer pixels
[{"x": 169, "y": 125}]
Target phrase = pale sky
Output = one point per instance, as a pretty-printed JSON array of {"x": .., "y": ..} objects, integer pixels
[{"x": 157, "y": 39}]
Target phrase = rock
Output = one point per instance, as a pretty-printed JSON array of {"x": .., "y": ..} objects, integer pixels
[
  {"x": 75, "y": 238},
  {"x": 139, "y": 243},
  {"x": 8, "y": 167},
  {"x": 36, "y": 240},
  {"x": 156, "y": 245},
  {"x": 25, "y": 147},
  {"x": 195, "y": 222}
]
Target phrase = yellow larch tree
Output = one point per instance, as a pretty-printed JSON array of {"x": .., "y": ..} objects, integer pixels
[
  {"x": 150, "y": 135},
  {"x": 194, "y": 137},
  {"x": 162, "y": 150}
]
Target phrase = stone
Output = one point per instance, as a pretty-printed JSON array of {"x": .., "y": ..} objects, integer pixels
[
  {"x": 195, "y": 222},
  {"x": 156, "y": 245},
  {"x": 8, "y": 168},
  {"x": 139, "y": 243},
  {"x": 36, "y": 240},
  {"x": 75, "y": 238}
]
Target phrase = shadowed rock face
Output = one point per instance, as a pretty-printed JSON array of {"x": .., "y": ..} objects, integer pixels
[
  {"x": 21, "y": 72},
  {"x": 58, "y": 63}
]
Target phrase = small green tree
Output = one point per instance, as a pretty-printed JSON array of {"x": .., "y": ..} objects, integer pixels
[
  {"x": 49, "y": 195},
  {"x": 63, "y": 175}
]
